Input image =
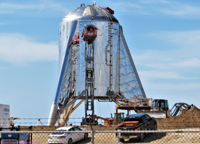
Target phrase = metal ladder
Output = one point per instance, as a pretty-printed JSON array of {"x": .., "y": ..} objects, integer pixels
[
  {"x": 109, "y": 63},
  {"x": 108, "y": 48},
  {"x": 89, "y": 78}
]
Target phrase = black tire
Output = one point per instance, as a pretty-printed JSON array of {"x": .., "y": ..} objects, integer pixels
[
  {"x": 70, "y": 141},
  {"x": 141, "y": 137},
  {"x": 131, "y": 140},
  {"x": 86, "y": 136},
  {"x": 121, "y": 140}
]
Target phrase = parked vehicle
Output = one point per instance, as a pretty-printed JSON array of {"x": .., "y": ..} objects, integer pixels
[
  {"x": 136, "y": 122},
  {"x": 7, "y": 124},
  {"x": 4, "y": 116},
  {"x": 160, "y": 109},
  {"x": 67, "y": 138}
]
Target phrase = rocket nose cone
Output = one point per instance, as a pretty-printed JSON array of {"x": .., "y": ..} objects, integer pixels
[{"x": 90, "y": 12}]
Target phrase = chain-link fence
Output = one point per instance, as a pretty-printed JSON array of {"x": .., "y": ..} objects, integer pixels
[
  {"x": 148, "y": 137},
  {"x": 101, "y": 137},
  {"x": 45, "y": 137}
]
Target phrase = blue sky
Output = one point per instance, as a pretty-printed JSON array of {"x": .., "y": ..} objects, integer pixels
[{"x": 163, "y": 37}]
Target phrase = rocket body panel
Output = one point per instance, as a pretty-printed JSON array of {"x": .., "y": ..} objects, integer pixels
[
  {"x": 101, "y": 58},
  {"x": 64, "y": 60},
  {"x": 130, "y": 84},
  {"x": 123, "y": 80},
  {"x": 112, "y": 64}
]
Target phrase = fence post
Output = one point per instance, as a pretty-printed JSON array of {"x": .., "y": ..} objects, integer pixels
[
  {"x": 92, "y": 137},
  {"x": 92, "y": 133},
  {"x": 119, "y": 135},
  {"x": 31, "y": 138}
]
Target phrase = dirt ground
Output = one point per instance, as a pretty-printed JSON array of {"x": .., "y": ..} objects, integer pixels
[
  {"x": 159, "y": 138},
  {"x": 186, "y": 119},
  {"x": 189, "y": 119},
  {"x": 110, "y": 138}
]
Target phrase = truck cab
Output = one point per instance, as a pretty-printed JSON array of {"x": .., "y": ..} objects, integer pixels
[
  {"x": 161, "y": 105},
  {"x": 120, "y": 117}
]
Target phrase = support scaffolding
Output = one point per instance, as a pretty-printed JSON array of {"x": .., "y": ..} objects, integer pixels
[{"x": 133, "y": 104}]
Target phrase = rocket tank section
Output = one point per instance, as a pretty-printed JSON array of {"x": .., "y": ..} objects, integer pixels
[{"x": 94, "y": 62}]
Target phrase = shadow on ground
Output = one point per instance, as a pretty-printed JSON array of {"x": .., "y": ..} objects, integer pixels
[
  {"x": 85, "y": 141},
  {"x": 148, "y": 138}
]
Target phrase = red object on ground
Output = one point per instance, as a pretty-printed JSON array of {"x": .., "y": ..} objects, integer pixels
[{"x": 110, "y": 10}]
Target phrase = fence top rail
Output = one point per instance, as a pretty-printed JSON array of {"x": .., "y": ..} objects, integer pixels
[
  {"x": 148, "y": 131},
  {"x": 89, "y": 131},
  {"x": 104, "y": 131}
]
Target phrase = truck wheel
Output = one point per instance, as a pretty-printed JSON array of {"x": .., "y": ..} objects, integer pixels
[
  {"x": 121, "y": 140},
  {"x": 141, "y": 138},
  {"x": 155, "y": 126},
  {"x": 131, "y": 140},
  {"x": 70, "y": 141},
  {"x": 86, "y": 136}
]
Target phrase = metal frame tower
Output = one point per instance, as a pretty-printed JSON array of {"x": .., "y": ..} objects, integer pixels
[{"x": 89, "y": 78}]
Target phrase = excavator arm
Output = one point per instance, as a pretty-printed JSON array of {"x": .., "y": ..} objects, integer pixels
[
  {"x": 105, "y": 119},
  {"x": 176, "y": 109}
]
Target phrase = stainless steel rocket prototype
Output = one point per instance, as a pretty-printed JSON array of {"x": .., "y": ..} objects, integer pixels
[{"x": 95, "y": 62}]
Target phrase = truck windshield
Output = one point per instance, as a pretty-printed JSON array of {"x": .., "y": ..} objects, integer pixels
[
  {"x": 120, "y": 116},
  {"x": 162, "y": 104}
]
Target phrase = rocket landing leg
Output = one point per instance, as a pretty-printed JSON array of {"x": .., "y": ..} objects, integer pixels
[
  {"x": 62, "y": 113},
  {"x": 53, "y": 116},
  {"x": 64, "y": 117}
]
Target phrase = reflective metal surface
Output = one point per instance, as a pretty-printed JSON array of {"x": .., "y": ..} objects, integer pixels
[
  {"x": 130, "y": 85},
  {"x": 114, "y": 70},
  {"x": 76, "y": 60},
  {"x": 65, "y": 56},
  {"x": 79, "y": 14}
]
